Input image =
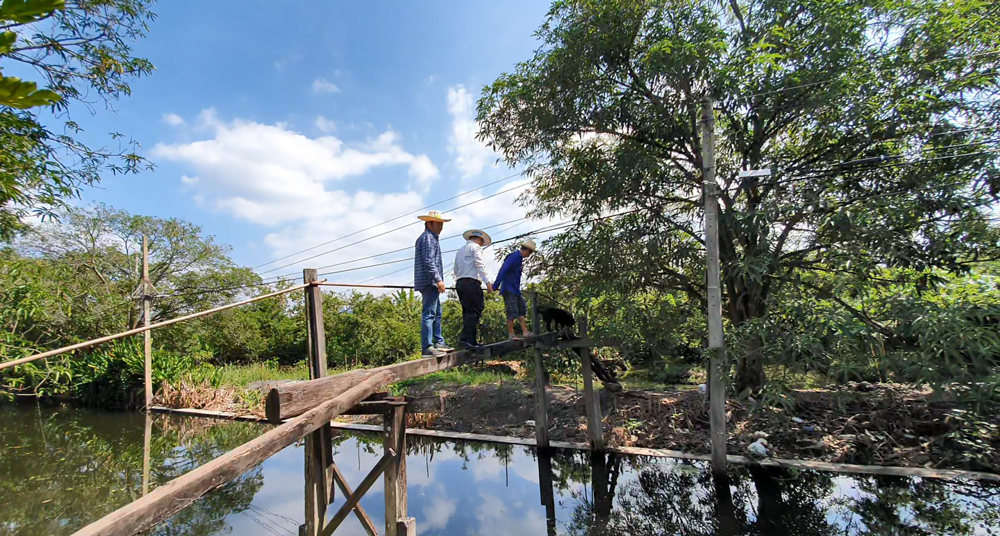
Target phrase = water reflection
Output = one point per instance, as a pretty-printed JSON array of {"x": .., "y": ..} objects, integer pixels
[{"x": 63, "y": 468}]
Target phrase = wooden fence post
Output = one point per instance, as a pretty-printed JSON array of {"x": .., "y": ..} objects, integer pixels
[
  {"x": 147, "y": 337},
  {"x": 541, "y": 396},
  {"x": 716, "y": 341},
  {"x": 318, "y": 444},
  {"x": 595, "y": 428},
  {"x": 546, "y": 491},
  {"x": 394, "y": 423}
]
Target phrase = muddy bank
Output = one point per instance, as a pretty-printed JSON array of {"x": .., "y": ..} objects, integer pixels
[{"x": 861, "y": 424}]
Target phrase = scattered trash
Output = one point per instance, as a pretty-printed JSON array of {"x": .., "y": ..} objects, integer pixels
[
  {"x": 758, "y": 448},
  {"x": 758, "y": 435},
  {"x": 529, "y": 423},
  {"x": 809, "y": 429},
  {"x": 797, "y": 420},
  {"x": 702, "y": 388}
]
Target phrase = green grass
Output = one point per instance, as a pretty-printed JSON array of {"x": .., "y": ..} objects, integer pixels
[
  {"x": 243, "y": 375},
  {"x": 461, "y": 376}
]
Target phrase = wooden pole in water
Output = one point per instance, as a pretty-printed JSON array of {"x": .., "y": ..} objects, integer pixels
[
  {"x": 591, "y": 403},
  {"x": 318, "y": 444},
  {"x": 394, "y": 423},
  {"x": 716, "y": 341},
  {"x": 541, "y": 396},
  {"x": 146, "y": 443},
  {"x": 147, "y": 336}
]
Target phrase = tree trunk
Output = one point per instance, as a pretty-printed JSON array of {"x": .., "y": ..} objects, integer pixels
[{"x": 747, "y": 302}]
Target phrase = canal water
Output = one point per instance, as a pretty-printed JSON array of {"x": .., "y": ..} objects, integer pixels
[{"x": 61, "y": 468}]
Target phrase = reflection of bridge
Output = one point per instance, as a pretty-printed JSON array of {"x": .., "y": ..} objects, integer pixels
[{"x": 304, "y": 410}]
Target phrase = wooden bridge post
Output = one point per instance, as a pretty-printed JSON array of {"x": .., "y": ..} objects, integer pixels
[
  {"x": 318, "y": 444},
  {"x": 395, "y": 472},
  {"x": 595, "y": 428},
  {"x": 541, "y": 396},
  {"x": 546, "y": 491}
]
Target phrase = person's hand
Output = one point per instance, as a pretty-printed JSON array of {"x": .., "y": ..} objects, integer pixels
[
  {"x": 489, "y": 287},
  {"x": 441, "y": 288}
]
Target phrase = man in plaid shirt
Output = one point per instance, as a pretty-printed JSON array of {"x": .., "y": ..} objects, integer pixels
[{"x": 428, "y": 279}]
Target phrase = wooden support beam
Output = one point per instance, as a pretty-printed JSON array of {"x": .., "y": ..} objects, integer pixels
[
  {"x": 353, "y": 500},
  {"x": 584, "y": 342},
  {"x": 147, "y": 336},
  {"x": 420, "y": 404},
  {"x": 288, "y": 400},
  {"x": 541, "y": 396},
  {"x": 319, "y": 486},
  {"x": 394, "y": 434},
  {"x": 592, "y": 404},
  {"x": 168, "y": 499},
  {"x": 546, "y": 491},
  {"x": 366, "y": 521}
]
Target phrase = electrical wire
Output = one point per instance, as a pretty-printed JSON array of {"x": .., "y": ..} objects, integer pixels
[
  {"x": 501, "y": 192},
  {"x": 428, "y": 207}
]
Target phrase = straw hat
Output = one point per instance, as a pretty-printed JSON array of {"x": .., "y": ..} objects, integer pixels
[
  {"x": 432, "y": 216},
  {"x": 481, "y": 234},
  {"x": 529, "y": 244}
]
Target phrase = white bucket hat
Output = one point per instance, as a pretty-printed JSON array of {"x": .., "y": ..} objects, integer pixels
[
  {"x": 432, "y": 216},
  {"x": 481, "y": 234},
  {"x": 529, "y": 244}
]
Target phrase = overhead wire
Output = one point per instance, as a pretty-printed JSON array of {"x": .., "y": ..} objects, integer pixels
[
  {"x": 480, "y": 200},
  {"x": 401, "y": 216}
]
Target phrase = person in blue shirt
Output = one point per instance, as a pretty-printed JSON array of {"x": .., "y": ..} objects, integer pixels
[
  {"x": 508, "y": 283},
  {"x": 428, "y": 279}
]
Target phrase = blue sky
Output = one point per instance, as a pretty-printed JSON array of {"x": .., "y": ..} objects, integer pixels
[{"x": 279, "y": 125}]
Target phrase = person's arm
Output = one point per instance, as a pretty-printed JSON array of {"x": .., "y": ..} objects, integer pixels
[
  {"x": 423, "y": 254},
  {"x": 434, "y": 260},
  {"x": 504, "y": 268}
]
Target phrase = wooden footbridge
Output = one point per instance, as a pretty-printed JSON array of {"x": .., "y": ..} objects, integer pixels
[{"x": 304, "y": 410}]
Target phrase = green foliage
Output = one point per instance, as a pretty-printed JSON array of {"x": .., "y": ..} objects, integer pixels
[
  {"x": 82, "y": 50},
  {"x": 604, "y": 116}
]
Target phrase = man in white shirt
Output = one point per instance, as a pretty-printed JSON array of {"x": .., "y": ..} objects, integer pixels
[{"x": 470, "y": 272}]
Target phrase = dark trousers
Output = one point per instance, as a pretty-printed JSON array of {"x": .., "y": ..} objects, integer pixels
[{"x": 470, "y": 295}]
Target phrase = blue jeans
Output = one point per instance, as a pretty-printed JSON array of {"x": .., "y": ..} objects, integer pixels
[{"x": 430, "y": 327}]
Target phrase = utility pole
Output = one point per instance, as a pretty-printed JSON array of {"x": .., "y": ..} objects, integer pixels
[
  {"x": 716, "y": 340},
  {"x": 147, "y": 337}
]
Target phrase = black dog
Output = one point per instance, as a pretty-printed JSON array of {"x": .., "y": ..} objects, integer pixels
[
  {"x": 564, "y": 319},
  {"x": 554, "y": 315}
]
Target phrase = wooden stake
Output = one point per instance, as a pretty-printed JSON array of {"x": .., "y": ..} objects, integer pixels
[
  {"x": 168, "y": 499},
  {"x": 147, "y": 336},
  {"x": 716, "y": 341},
  {"x": 146, "y": 442},
  {"x": 394, "y": 423},
  {"x": 318, "y": 444},
  {"x": 541, "y": 396},
  {"x": 595, "y": 428}
]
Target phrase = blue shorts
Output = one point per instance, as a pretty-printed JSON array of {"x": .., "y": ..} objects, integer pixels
[{"x": 514, "y": 305}]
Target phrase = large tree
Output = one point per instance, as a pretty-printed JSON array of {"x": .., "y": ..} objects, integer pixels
[
  {"x": 878, "y": 120},
  {"x": 80, "y": 50}
]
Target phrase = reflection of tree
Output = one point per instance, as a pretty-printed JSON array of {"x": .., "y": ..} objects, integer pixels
[
  {"x": 684, "y": 499},
  {"x": 62, "y": 469}
]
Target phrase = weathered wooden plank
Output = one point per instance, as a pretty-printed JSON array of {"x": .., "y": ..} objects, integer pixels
[
  {"x": 291, "y": 399},
  {"x": 395, "y": 472},
  {"x": 925, "y": 472},
  {"x": 406, "y": 527},
  {"x": 541, "y": 396},
  {"x": 171, "y": 497},
  {"x": 595, "y": 426}
]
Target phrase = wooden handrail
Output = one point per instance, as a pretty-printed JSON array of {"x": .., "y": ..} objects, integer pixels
[
  {"x": 171, "y": 497},
  {"x": 136, "y": 331}
]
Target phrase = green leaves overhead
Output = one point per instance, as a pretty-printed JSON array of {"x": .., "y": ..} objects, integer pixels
[
  {"x": 24, "y": 95},
  {"x": 879, "y": 120},
  {"x": 24, "y": 11}
]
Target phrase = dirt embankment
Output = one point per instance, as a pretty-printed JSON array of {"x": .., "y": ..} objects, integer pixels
[{"x": 862, "y": 424}]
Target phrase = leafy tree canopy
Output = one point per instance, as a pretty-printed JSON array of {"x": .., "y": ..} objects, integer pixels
[{"x": 878, "y": 120}]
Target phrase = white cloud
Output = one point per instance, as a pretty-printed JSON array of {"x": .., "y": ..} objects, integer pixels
[
  {"x": 269, "y": 174},
  {"x": 173, "y": 120},
  {"x": 325, "y": 125},
  {"x": 471, "y": 156},
  {"x": 189, "y": 180},
  {"x": 322, "y": 85},
  {"x": 438, "y": 510}
]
